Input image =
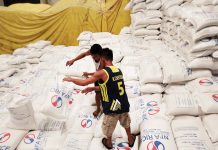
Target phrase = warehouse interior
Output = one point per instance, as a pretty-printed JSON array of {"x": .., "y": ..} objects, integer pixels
[{"x": 67, "y": 66}]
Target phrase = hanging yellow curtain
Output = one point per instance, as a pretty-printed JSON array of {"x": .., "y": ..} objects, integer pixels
[{"x": 61, "y": 23}]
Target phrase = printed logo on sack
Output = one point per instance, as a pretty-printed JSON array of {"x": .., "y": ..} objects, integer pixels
[
  {"x": 152, "y": 104},
  {"x": 86, "y": 123},
  {"x": 152, "y": 108},
  {"x": 155, "y": 145},
  {"x": 215, "y": 97},
  {"x": 29, "y": 138},
  {"x": 205, "y": 82},
  {"x": 123, "y": 146},
  {"x": 56, "y": 101},
  {"x": 4, "y": 137}
]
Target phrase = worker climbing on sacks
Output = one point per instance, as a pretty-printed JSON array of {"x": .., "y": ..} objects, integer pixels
[
  {"x": 95, "y": 53},
  {"x": 114, "y": 98}
]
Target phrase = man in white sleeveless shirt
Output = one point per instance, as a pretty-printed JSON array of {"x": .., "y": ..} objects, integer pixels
[{"x": 95, "y": 52}]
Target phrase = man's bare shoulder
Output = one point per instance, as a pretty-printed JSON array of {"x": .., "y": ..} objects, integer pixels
[{"x": 99, "y": 72}]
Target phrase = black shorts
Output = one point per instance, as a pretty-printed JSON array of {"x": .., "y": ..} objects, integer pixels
[{"x": 97, "y": 84}]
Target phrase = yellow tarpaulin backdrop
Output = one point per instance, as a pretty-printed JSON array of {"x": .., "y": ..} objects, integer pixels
[{"x": 61, "y": 23}]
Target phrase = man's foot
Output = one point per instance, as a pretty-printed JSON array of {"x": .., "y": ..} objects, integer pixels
[
  {"x": 132, "y": 140},
  {"x": 96, "y": 113},
  {"x": 106, "y": 143}
]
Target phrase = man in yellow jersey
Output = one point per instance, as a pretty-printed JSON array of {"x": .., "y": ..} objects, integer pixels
[
  {"x": 95, "y": 53},
  {"x": 114, "y": 98}
]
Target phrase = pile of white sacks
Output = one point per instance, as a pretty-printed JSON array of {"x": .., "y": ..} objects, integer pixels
[
  {"x": 146, "y": 18},
  {"x": 190, "y": 28},
  {"x": 171, "y": 106}
]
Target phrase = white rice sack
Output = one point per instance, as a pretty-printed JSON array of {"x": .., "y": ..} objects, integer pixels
[
  {"x": 137, "y": 21},
  {"x": 145, "y": 32},
  {"x": 85, "y": 36},
  {"x": 192, "y": 56},
  {"x": 34, "y": 54},
  {"x": 208, "y": 121},
  {"x": 58, "y": 102},
  {"x": 204, "y": 2},
  {"x": 117, "y": 56},
  {"x": 101, "y": 35},
  {"x": 131, "y": 61},
  {"x": 132, "y": 89},
  {"x": 156, "y": 134},
  {"x": 10, "y": 138},
  {"x": 215, "y": 54},
  {"x": 150, "y": 71},
  {"x": 201, "y": 63},
  {"x": 5, "y": 67},
  {"x": 208, "y": 102},
  {"x": 194, "y": 74},
  {"x": 153, "y": 14},
  {"x": 190, "y": 134},
  {"x": 98, "y": 129},
  {"x": 155, "y": 110},
  {"x": 138, "y": 7},
  {"x": 173, "y": 89},
  {"x": 136, "y": 119},
  {"x": 77, "y": 141},
  {"x": 181, "y": 104},
  {"x": 206, "y": 32},
  {"x": 84, "y": 44},
  {"x": 174, "y": 70},
  {"x": 129, "y": 73},
  {"x": 21, "y": 115},
  {"x": 33, "y": 61},
  {"x": 21, "y": 51},
  {"x": 3, "y": 119},
  {"x": 215, "y": 145},
  {"x": 205, "y": 44},
  {"x": 144, "y": 101},
  {"x": 82, "y": 120},
  {"x": 46, "y": 123},
  {"x": 153, "y": 27},
  {"x": 41, "y": 140},
  {"x": 205, "y": 85},
  {"x": 39, "y": 44},
  {"x": 4, "y": 101},
  {"x": 151, "y": 88},
  {"x": 147, "y": 38},
  {"x": 169, "y": 3},
  {"x": 154, "y": 5},
  {"x": 17, "y": 60},
  {"x": 215, "y": 66},
  {"x": 8, "y": 73},
  {"x": 198, "y": 18}
]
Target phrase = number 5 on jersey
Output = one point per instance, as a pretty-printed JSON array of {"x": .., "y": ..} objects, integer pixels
[{"x": 120, "y": 87}]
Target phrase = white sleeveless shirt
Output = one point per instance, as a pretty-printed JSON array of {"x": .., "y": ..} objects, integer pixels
[{"x": 97, "y": 64}]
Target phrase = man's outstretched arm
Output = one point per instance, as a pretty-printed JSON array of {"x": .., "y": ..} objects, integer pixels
[
  {"x": 80, "y": 56},
  {"x": 90, "y": 89},
  {"x": 83, "y": 82}
]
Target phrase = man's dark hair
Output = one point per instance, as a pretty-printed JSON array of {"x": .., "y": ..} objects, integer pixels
[
  {"x": 96, "y": 49},
  {"x": 107, "y": 54}
]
